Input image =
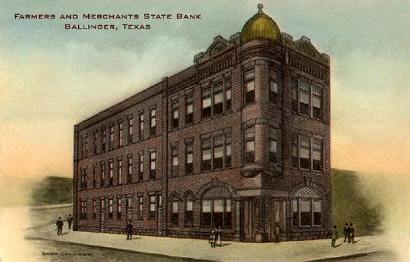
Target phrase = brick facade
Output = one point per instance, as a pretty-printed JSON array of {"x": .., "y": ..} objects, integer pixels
[{"x": 245, "y": 199}]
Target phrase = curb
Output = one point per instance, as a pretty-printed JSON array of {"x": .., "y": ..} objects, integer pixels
[{"x": 345, "y": 257}]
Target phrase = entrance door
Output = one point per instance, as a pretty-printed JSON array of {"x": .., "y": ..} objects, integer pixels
[{"x": 248, "y": 220}]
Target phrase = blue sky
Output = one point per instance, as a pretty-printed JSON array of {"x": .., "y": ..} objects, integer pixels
[{"x": 51, "y": 79}]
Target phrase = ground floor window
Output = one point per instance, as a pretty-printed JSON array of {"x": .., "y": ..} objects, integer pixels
[
  {"x": 189, "y": 213},
  {"x": 175, "y": 213},
  {"x": 306, "y": 212},
  {"x": 216, "y": 213}
]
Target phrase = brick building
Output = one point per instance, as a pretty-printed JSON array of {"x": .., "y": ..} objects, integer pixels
[{"x": 239, "y": 140}]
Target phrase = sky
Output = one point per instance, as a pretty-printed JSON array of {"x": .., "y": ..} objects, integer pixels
[{"x": 51, "y": 79}]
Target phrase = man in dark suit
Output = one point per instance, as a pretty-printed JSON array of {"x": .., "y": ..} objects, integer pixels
[
  {"x": 351, "y": 233},
  {"x": 59, "y": 225},
  {"x": 346, "y": 232},
  {"x": 129, "y": 229},
  {"x": 69, "y": 221}
]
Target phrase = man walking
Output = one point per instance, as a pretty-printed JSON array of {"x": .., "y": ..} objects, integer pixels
[
  {"x": 277, "y": 232},
  {"x": 69, "y": 221},
  {"x": 59, "y": 225},
  {"x": 346, "y": 232},
  {"x": 334, "y": 236},
  {"x": 129, "y": 229},
  {"x": 351, "y": 233}
]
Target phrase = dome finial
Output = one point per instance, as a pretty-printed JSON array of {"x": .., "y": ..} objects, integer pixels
[{"x": 260, "y": 7}]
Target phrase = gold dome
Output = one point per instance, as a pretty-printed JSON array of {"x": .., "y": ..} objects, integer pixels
[{"x": 260, "y": 26}]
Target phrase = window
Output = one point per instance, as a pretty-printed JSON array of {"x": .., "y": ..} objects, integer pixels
[
  {"x": 95, "y": 141},
  {"x": 141, "y": 126},
  {"x": 295, "y": 153},
  {"x": 141, "y": 166},
  {"x": 140, "y": 207},
  {"x": 152, "y": 165},
  {"x": 305, "y": 212},
  {"x": 175, "y": 114},
  {"x": 216, "y": 213},
  {"x": 228, "y": 150},
  {"x": 84, "y": 144},
  {"x": 249, "y": 87},
  {"x": 218, "y": 99},
  {"x": 130, "y": 129},
  {"x": 83, "y": 209},
  {"x": 206, "y": 103},
  {"x": 121, "y": 132},
  {"x": 174, "y": 160},
  {"x": 228, "y": 95},
  {"x": 83, "y": 179},
  {"x": 273, "y": 90},
  {"x": 94, "y": 208},
  {"x": 189, "y": 113},
  {"x": 153, "y": 122},
  {"x": 102, "y": 174},
  {"x": 273, "y": 146},
  {"x": 295, "y": 213},
  {"x": 189, "y": 213},
  {"x": 111, "y": 172},
  {"x": 317, "y": 212},
  {"x": 111, "y": 141},
  {"x": 94, "y": 175},
  {"x": 119, "y": 208},
  {"x": 206, "y": 155},
  {"x": 152, "y": 207},
  {"x": 129, "y": 173},
  {"x": 119, "y": 172},
  {"x": 304, "y": 152},
  {"x": 317, "y": 102},
  {"x": 218, "y": 152},
  {"x": 103, "y": 139},
  {"x": 102, "y": 204},
  {"x": 304, "y": 98},
  {"x": 317, "y": 154},
  {"x": 110, "y": 208},
  {"x": 250, "y": 144},
  {"x": 189, "y": 161},
  {"x": 294, "y": 93},
  {"x": 175, "y": 213}
]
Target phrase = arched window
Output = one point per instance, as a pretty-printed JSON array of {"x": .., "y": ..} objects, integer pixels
[
  {"x": 216, "y": 208},
  {"x": 306, "y": 208}
]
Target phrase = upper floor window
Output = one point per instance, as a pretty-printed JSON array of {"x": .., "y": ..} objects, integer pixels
[
  {"x": 94, "y": 208},
  {"x": 175, "y": 114},
  {"x": 310, "y": 99},
  {"x": 84, "y": 144},
  {"x": 153, "y": 122},
  {"x": 140, "y": 207},
  {"x": 317, "y": 102},
  {"x": 94, "y": 175},
  {"x": 141, "y": 166},
  {"x": 317, "y": 154},
  {"x": 110, "y": 209},
  {"x": 228, "y": 150},
  {"x": 83, "y": 209},
  {"x": 111, "y": 172},
  {"x": 130, "y": 129},
  {"x": 218, "y": 98},
  {"x": 152, "y": 165},
  {"x": 121, "y": 132},
  {"x": 102, "y": 174},
  {"x": 228, "y": 94},
  {"x": 83, "y": 179},
  {"x": 95, "y": 141},
  {"x": 304, "y": 98},
  {"x": 111, "y": 140},
  {"x": 189, "y": 155},
  {"x": 103, "y": 139},
  {"x": 249, "y": 86},
  {"x": 218, "y": 152},
  {"x": 189, "y": 111},
  {"x": 304, "y": 152},
  {"x": 141, "y": 126},
  {"x": 119, "y": 172},
  {"x": 250, "y": 144},
  {"x": 206, "y": 154},
  {"x": 175, "y": 160},
  {"x": 273, "y": 146},
  {"x": 206, "y": 103},
  {"x": 119, "y": 208},
  {"x": 273, "y": 89},
  {"x": 129, "y": 173}
]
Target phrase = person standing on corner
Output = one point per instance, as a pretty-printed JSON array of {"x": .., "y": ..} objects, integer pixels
[
  {"x": 129, "y": 229},
  {"x": 334, "y": 236},
  {"x": 59, "y": 225},
  {"x": 277, "y": 233},
  {"x": 351, "y": 233},
  {"x": 212, "y": 238},
  {"x": 69, "y": 221},
  {"x": 346, "y": 232}
]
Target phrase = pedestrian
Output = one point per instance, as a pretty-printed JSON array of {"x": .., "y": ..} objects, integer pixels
[
  {"x": 334, "y": 236},
  {"x": 351, "y": 233},
  {"x": 69, "y": 221},
  {"x": 277, "y": 232},
  {"x": 212, "y": 238},
  {"x": 218, "y": 236},
  {"x": 59, "y": 225},
  {"x": 129, "y": 229},
  {"x": 346, "y": 232}
]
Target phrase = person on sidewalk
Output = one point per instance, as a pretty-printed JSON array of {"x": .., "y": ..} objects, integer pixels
[
  {"x": 129, "y": 229},
  {"x": 59, "y": 225},
  {"x": 346, "y": 232},
  {"x": 351, "y": 233},
  {"x": 212, "y": 238},
  {"x": 277, "y": 233},
  {"x": 334, "y": 236},
  {"x": 69, "y": 221},
  {"x": 218, "y": 236}
]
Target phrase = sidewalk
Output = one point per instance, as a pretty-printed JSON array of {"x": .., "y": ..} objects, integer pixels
[{"x": 231, "y": 251}]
